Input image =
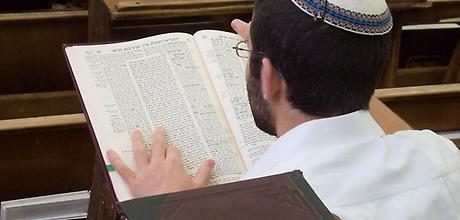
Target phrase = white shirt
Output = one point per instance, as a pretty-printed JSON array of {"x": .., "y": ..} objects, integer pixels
[{"x": 361, "y": 173}]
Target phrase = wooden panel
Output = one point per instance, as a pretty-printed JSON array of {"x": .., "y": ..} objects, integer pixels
[
  {"x": 42, "y": 122},
  {"x": 434, "y": 107},
  {"x": 102, "y": 203},
  {"x": 453, "y": 73},
  {"x": 31, "y": 53},
  {"x": 435, "y": 113},
  {"x": 126, "y": 9},
  {"x": 420, "y": 76},
  {"x": 415, "y": 52},
  {"x": 45, "y": 160},
  {"x": 440, "y": 9},
  {"x": 457, "y": 142},
  {"x": 141, "y": 9},
  {"x": 112, "y": 20},
  {"x": 414, "y": 13},
  {"x": 38, "y": 104},
  {"x": 128, "y": 31}
]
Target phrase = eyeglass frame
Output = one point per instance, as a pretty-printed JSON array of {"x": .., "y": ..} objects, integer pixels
[{"x": 237, "y": 48}]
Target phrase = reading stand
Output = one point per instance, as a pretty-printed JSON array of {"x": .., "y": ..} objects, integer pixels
[{"x": 102, "y": 204}]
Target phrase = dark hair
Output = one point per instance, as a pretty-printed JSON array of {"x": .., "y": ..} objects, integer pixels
[{"x": 328, "y": 71}]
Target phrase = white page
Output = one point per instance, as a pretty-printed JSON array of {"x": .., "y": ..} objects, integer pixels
[
  {"x": 150, "y": 82},
  {"x": 227, "y": 72}
]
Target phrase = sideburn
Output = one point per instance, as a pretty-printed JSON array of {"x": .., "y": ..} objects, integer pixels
[{"x": 260, "y": 109}]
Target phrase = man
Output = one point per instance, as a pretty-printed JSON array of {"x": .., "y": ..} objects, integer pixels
[{"x": 310, "y": 80}]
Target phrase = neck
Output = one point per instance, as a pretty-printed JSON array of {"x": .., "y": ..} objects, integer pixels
[{"x": 289, "y": 118}]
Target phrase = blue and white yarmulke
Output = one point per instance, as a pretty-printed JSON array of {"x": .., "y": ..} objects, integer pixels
[{"x": 368, "y": 17}]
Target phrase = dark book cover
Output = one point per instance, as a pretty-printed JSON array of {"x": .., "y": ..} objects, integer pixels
[{"x": 285, "y": 196}]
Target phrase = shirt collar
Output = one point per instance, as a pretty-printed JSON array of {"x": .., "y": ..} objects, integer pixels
[{"x": 319, "y": 133}]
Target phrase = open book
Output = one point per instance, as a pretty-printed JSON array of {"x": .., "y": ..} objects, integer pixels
[{"x": 194, "y": 86}]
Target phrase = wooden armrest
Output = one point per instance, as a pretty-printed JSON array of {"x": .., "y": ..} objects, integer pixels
[
  {"x": 414, "y": 91},
  {"x": 42, "y": 122}
]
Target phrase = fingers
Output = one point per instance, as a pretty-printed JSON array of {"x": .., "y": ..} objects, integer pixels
[
  {"x": 127, "y": 174},
  {"x": 158, "y": 144},
  {"x": 204, "y": 173},
  {"x": 241, "y": 28},
  {"x": 140, "y": 154},
  {"x": 173, "y": 153}
]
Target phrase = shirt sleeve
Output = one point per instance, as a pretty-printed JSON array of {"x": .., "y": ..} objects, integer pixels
[
  {"x": 441, "y": 150},
  {"x": 445, "y": 154}
]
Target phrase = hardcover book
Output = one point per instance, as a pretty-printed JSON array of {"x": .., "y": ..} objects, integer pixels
[
  {"x": 285, "y": 196},
  {"x": 193, "y": 85}
]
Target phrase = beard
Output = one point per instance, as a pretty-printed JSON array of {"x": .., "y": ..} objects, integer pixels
[{"x": 261, "y": 110}]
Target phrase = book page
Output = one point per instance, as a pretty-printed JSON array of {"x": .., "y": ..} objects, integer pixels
[
  {"x": 227, "y": 72},
  {"x": 155, "y": 81}
]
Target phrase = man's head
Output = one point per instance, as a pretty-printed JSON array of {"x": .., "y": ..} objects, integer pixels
[{"x": 328, "y": 71}]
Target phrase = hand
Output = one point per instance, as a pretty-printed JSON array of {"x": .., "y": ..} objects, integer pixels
[
  {"x": 241, "y": 28},
  {"x": 165, "y": 172}
]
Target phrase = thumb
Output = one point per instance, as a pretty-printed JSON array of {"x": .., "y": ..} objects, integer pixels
[
  {"x": 204, "y": 173},
  {"x": 241, "y": 28}
]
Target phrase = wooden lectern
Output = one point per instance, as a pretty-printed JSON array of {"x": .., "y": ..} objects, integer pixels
[{"x": 115, "y": 20}]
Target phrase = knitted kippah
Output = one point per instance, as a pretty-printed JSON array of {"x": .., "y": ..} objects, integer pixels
[{"x": 368, "y": 17}]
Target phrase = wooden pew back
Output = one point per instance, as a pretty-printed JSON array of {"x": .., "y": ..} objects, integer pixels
[
  {"x": 115, "y": 20},
  {"x": 41, "y": 155},
  {"x": 27, "y": 105},
  {"x": 435, "y": 107},
  {"x": 44, "y": 155},
  {"x": 31, "y": 49}
]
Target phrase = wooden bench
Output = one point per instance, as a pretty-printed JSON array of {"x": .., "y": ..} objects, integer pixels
[
  {"x": 416, "y": 12},
  {"x": 26, "y": 105},
  {"x": 435, "y": 107},
  {"x": 45, "y": 155},
  {"x": 44, "y": 147},
  {"x": 31, "y": 53}
]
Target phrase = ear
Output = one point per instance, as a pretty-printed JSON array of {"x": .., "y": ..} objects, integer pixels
[{"x": 271, "y": 83}]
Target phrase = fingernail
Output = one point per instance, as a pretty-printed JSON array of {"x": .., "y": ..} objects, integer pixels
[
  {"x": 211, "y": 162},
  {"x": 136, "y": 132},
  {"x": 233, "y": 23},
  {"x": 110, "y": 154}
]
